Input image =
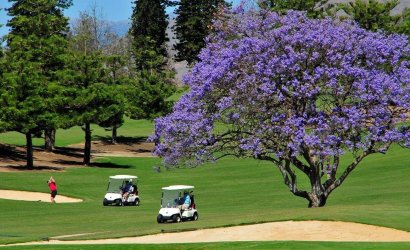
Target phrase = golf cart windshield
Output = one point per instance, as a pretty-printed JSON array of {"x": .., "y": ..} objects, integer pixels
[
  {"x": 115, "y": 186},
  {"x": 170, "y": 198},
  {"x": 171, "y": 195},
  {"x": 117, "y": 182}
]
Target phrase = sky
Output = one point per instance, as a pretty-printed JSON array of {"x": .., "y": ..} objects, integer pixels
[{"x": 111, "y": 10}]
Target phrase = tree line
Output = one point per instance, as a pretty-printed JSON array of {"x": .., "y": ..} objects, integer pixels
[{"x": 53, "y": 76}]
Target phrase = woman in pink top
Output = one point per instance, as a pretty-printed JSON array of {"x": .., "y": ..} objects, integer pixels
[{"x": 53, "y": 188}]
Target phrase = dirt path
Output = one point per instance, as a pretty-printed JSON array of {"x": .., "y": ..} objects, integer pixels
[
  {"x": 34, "y": 196},
  {"x": 275, "y": 231}
]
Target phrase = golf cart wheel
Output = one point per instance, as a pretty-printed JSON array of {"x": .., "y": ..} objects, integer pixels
[
  {"x": 195, "y": 217},
  {"x": 136, "y": 202},
  {"x": 105, "y": 202},
  {"x": 176, "y": 218},
  {"x": 159, "y": 219},
  {"x": 118, "y": 202}
]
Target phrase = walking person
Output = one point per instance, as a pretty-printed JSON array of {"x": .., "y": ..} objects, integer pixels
[{"x": 53, "y": 188}]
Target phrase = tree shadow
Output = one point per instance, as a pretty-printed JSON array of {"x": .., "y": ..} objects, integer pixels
[
  {"x": 108, "y": 165},
  {"x": 127, "y": 140},
  {"x": 10, "y": 152},
  {"x": 73, "y": 152},
  {"x": 140, "y": 150},
  {"x": 92, "y": 164},
  {"x": 73, "y": 157},
  {"x": 36, "y": 167}
]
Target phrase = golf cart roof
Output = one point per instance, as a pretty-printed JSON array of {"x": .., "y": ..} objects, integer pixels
[
  {"x": 178, "y": 187},
  {"x": 123, "y": 177}
]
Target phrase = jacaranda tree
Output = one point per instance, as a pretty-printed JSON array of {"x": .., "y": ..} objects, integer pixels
[{"x": 297, "y": 92}]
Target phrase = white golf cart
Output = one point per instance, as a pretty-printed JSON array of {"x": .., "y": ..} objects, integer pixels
[
  {"x": 171, "y": 204},
  {"x": 115, "y": 191}
]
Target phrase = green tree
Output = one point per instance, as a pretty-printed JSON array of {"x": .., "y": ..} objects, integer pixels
[
  {"x": 23, "y": 107},
  {"x": 148, "y": 32},
  {"x": 147, "y": 92},
  {"x": 403, "y": 26},
  {"x": 119, "y": 48},
  {"x": 121, "y": 69},
  {"x": 192, "y": 25},
  {"x": 89, "y": 99},
  {"x": 116, "y": 77},
  {"x": 36, "y": 45},
  {"x": 374, "y": 15},
  {"x": 147, "y": 96},
  {"x": 313, "y": 8},
  {"x": 141, "y": 97},
  {"x": 92, "y": 95}
]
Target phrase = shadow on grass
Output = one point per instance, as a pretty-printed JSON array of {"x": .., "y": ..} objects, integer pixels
[
  {"x": 36, "y": 167},
  {"x": 127, "y": 140},
  {"x": 10, "y": 235},
  {"x": 108, "y": 165},
  {"x": 92, "y": 164}
]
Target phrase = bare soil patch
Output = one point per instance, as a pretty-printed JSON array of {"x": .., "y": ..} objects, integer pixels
[
  {"x": 13, "y": 158},
  {"x": 336, "y": 231},
  {"x": 34, "y": 196}
]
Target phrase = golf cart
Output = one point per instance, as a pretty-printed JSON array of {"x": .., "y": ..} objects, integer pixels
[
  {"x": 173, "y": 207},
  {"x": 122, "y": 190}
]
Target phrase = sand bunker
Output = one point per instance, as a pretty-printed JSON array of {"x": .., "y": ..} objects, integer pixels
[
  {"x": 34, "y": 196},
  {"x": 336, "y": 231}
]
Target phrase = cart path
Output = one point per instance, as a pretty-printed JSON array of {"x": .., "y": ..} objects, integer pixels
[
  {"x": 274, "y": 231},
  {"x": 34, "y": 196}
]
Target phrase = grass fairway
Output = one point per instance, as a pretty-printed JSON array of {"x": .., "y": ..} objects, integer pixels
[{"x": 231, "y": 192}]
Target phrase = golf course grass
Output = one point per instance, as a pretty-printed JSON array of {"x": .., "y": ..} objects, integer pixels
[
  {"x": 65, "y": 137},
  {"x": 230, "y": 192},
  {"x": 230, "y": 245}
]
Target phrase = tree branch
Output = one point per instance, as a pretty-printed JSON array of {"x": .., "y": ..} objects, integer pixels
[
  {"x": 289, "y": 178},
  {"x": 349, "y": 169}
]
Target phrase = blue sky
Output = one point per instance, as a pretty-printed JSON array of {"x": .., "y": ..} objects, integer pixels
[{"x": 112, "y": 10}]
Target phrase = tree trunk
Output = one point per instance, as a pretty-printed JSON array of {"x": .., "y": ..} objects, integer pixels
[
  {"x": 114, "y": 134},
  {"x": 29, "y": 145},
  {"x": 49, "y": 139},
  {"x": 319, "y": 193},
  {"x": 87, "y": 145},
  {"x": 317, "y": 197},
  {"x": 317, "y": 200}
]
